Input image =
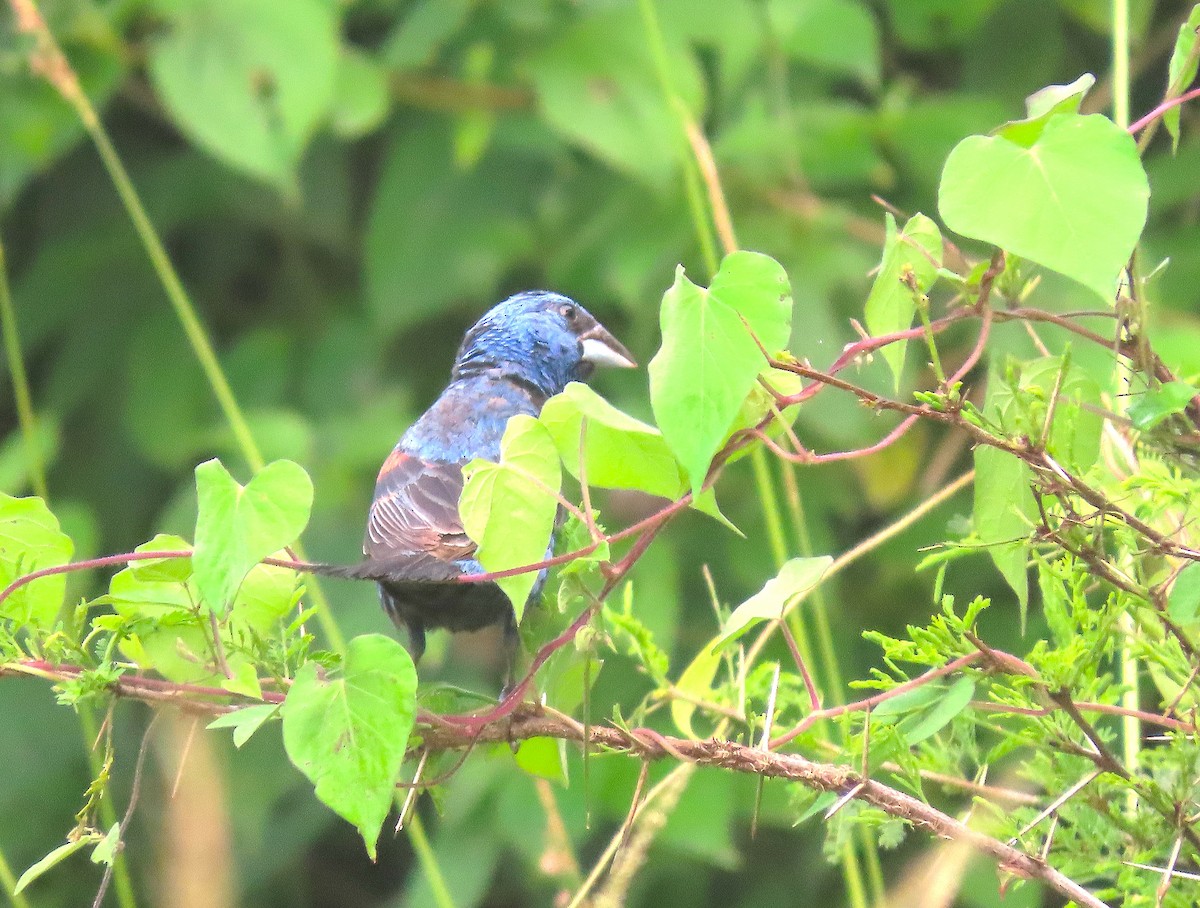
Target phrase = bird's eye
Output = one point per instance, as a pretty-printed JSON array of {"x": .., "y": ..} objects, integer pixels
[{"x": 569, "y": 313}]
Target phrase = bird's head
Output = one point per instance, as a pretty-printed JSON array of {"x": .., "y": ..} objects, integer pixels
[{"x": 541, "y": 338}]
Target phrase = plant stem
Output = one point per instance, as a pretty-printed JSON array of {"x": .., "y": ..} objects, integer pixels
[
  {"x": 428, "y": 860},
  {"x": 1120, "y": 62},
  {"x": 691, "y": 177},
  {"x": 770, "y": 506},
  {"x": 835, "y": 684},
  {"x": 53, "y": 63},
  {"x": 1131, "y": 731},
  {"x": 20, "y": 381},
  {"x": 9, "y": 882},
  {"x": 122, "y": 883}
]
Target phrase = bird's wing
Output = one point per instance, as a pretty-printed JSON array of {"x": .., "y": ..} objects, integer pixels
[{"x": 415, "y": 511}]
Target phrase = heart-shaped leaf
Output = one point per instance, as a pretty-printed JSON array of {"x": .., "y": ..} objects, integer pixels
[
  {"x": 1073, "y": 201},
  {"x": 349, "y": 735},
  {"x": 709, "y": 359},
  {"x": 508, "y": 508},
  {"x": 238, "y": 526}
]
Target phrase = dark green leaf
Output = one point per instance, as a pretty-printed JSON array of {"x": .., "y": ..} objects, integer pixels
[
  {"x": 1157, "y": 404},
  {"x": 423, "y": 251}
]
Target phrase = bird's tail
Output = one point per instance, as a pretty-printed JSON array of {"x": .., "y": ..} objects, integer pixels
[{"x": 417, "y": 569}]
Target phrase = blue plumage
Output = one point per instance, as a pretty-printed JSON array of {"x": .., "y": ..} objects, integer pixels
[{"x": 522, "y": 352}]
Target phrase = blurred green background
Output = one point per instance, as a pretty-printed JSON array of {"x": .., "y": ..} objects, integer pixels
[{"x": 344, "y": 188}]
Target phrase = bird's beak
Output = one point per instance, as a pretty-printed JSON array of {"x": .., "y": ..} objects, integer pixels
[{"x": 600, "y": 348}]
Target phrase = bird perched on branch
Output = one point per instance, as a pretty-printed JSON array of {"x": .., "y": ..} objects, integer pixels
[{"x": 522, "y": 352}]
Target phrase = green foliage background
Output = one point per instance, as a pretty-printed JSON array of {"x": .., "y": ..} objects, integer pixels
[{"x": 345, "y": 187}]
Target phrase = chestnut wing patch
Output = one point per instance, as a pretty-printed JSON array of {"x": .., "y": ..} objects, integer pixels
[{"x": 416, "y": 511}]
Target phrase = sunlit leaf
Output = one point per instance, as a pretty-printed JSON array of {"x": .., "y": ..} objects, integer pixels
[
  {"x": 239, "y": 525},
  {"x": 1074, "y": 201},
  {"x": 248, "y": 80},
  {"x": 348, "y": 735},
  {"x": 508, "y": 508},
  {"x": 30, "y": 540},
  {"x": 709, "y": 359}
]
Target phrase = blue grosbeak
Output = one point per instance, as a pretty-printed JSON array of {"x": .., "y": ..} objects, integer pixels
[{"x": 522, "y": 352}]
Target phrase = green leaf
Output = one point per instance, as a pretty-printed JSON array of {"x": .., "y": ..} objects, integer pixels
[
  {"x": 105, "y": 851},
  {"x": 696, "y": 680},
  {"x": 239, "y": 526},
  {"x": 598, "y": 85},
  {"x": 543, "y": 757},
  {"x": 163, "y": 569},
  {"x": 917, "y": 251},
  {"x": 1184, "y": 602},
  {"x": 1004, "y": 514},
  {"x": 1157, "y": 404},
  {"x": 620, "y": 452},
  {"x": 360, "y": 94},
  {"x": 424, "y": 28},
  {"x": 508, "y": 508},
  {"x": 796, "y": 579},
  {"x": 349, "y": 735},
  {"x": 248, "y": 80},
  {"x": 53, "y": 859},
  {"x": 1044, "y": 104},
  {"x": 950, "y": 702},
  {"x": 245, "y": 722},
  {"x": 1182, "y": 70},
  {"x": 30, "y": 540},
  {"x": 36, "y": 127},
  {"x": 928, "y": 24},
  {"x": 1074, "y": 201},
  {"x": 1023, "y": 405},
  {"x": 422, "y": 256},
  {"x": 803, "y": 32},
  {"x": 709, "y": 359}
]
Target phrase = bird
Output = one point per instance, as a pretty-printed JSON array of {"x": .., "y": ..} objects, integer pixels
[{"x": 522, "y": 352}]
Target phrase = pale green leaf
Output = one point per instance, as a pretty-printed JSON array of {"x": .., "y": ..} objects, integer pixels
[
  {"x": 796, "y": 579},
  {"x": 913, "y": 254},
  {"x": 508, "y": 508},
  {"x": 1074, "y": 201}
]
